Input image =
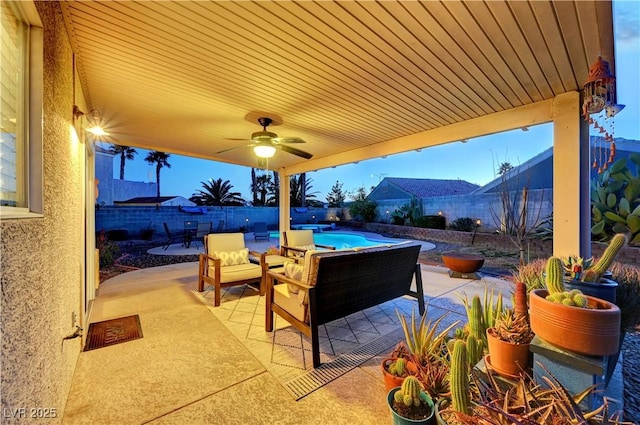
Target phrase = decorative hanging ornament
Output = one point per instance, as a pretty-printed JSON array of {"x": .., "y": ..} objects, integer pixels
[{"x": 599, "y": 90}]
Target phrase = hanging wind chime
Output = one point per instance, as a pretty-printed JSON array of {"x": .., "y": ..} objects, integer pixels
[{"x": 598, "y": 109}]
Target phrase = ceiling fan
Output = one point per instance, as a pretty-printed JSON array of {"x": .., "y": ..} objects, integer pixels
[{"x": 265, "y": 142}]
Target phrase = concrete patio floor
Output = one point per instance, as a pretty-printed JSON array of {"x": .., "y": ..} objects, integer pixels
[{"x": 189, "y": 368}]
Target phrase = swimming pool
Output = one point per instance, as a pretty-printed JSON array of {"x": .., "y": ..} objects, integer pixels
[{"x": 343, "y": 240}]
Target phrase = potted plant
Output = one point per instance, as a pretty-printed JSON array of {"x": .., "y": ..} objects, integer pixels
[
  {"x": 572, "y": 320},
  {"x": 397, "y": 367},
  {"x": 509, "y": 342},
  {"x": 425, "y": 348},
  {"x": 589, "y": 277},
  {"x": 409, "y": 404}
]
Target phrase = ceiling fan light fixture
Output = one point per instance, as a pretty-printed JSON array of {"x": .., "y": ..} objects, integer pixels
[{"x": 264, "y": 150}]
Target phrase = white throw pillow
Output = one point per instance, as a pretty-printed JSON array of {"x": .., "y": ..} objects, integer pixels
[
  {"x": 232, "y": 258},
  {"x": 293, "y": 271}
]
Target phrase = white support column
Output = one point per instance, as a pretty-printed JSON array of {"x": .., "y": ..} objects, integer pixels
[
  {"x": 571, "y": 198},
  {"x": 284, "y": 211}
]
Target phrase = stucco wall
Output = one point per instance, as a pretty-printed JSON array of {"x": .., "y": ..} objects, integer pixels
[
  {"x": 474, "y": 206},
  {"x": 41, "y": 257},
  {"x": 124, "y": 190}
]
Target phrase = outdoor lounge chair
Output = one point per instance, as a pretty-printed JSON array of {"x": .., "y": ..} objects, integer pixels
[
  {"x": 297, "y": 242},
  {"x": 260, "y": 231},
  {"x": 226, "y": 262},
  {"x": 171, "y": 238},
  {"x": 203, "y": 229}
]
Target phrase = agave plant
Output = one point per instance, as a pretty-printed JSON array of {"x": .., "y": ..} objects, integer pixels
[
  {"x": 513, "y": 328},
  {"x": 423, "y": 340},
  {"x": 532, "y": 274}
]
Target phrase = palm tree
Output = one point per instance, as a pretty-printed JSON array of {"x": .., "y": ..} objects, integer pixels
[
  {"x": 262, "y": 185},
  {"x": 161, "y": 160},
  {"x": 504, "y": 167},
  {"x": 254, "y": 186},
  {"x": 125, "y": 153},
  {"x": 217, "y": 193},
  {"x": 299, "y": 187}
]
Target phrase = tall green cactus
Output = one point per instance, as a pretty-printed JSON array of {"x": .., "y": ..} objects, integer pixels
[
  {"x": 554, "y": 275},
  {"x": 476, "y": 327},
  {"x": 596, "y": 271},
  {"x": 475, "y": 348},
  {"x": 459, "y": 380},
  {"x": 409, "y": 393}
]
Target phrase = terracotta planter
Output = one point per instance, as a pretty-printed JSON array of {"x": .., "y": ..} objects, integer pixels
[
  {"x": 506, "y": 358},
  {"x": 392, "y": 381},
  {"x": 593, "y": 331}
]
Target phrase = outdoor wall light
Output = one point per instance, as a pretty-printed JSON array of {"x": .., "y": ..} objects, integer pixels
[
  {"x": 440, "y": 213},
  {"x": 264, "y": 150},
  {"x": 94, "y": 118}
]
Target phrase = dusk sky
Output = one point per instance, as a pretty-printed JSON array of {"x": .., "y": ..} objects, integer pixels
[{"x": 475, "y": 161}]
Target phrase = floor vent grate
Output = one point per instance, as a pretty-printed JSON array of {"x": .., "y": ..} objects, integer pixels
[{"x": 316, "y": 378}]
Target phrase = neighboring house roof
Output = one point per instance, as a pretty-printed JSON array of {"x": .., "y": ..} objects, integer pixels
[
  {"x": 537, "y": 172},
  {"x": 426, "y": 188}
]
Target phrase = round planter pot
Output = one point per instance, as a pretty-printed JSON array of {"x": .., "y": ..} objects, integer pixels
[
  {"x": 400, "y": 420},
  {"x": 605, "y": 289},
  {"x": 392, "y": 381},
  {"x": 462, "y": 263},
  {"x": 506, "y": 358},
  {"x": 593, "y": 331}
]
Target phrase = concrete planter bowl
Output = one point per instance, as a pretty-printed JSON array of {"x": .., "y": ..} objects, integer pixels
[{"x": 593, "y": 331}]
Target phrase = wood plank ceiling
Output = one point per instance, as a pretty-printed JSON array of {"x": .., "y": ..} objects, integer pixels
[{"x": 191, "y": 77}]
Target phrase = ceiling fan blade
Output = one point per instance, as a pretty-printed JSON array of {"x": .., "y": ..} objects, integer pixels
[
  {"x": 295, "y": 151},
  {"x": 288, "y": 140},
  {"x": 232, "y": 148}
]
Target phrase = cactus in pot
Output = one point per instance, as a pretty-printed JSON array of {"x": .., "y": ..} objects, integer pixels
[
  {"x": 595, "y": 272},
  {"x": 411, "y": 402}
]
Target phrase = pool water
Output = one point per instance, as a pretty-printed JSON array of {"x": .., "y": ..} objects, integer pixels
[{"x": 340, "y": 240}]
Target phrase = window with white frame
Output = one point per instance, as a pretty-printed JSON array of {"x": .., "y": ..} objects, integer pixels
[{"x": 20, "y": 110}]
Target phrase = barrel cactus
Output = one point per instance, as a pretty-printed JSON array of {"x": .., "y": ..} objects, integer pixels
[
  {"x": 554, "y": 275},
  {"x": 409, "y": 393},
  {"x": 574, "y": 298},
  {"x": 398, "y": 367}
]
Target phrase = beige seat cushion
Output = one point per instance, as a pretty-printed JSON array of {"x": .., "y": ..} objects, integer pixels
[
  {"x": 289, "y": 302},
  {"x": 237, "y": 272}
]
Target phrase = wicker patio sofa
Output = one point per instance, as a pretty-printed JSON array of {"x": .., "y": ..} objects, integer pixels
[{"x": 335, "y": 284}]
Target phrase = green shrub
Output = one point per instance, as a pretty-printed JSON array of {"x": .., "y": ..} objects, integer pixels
[
  {"x": 364, "y": 210},
  {"x": 107, "y": 250},
  {"x": 463, "y": 224},
  {"x": 431, "y": 222}
]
